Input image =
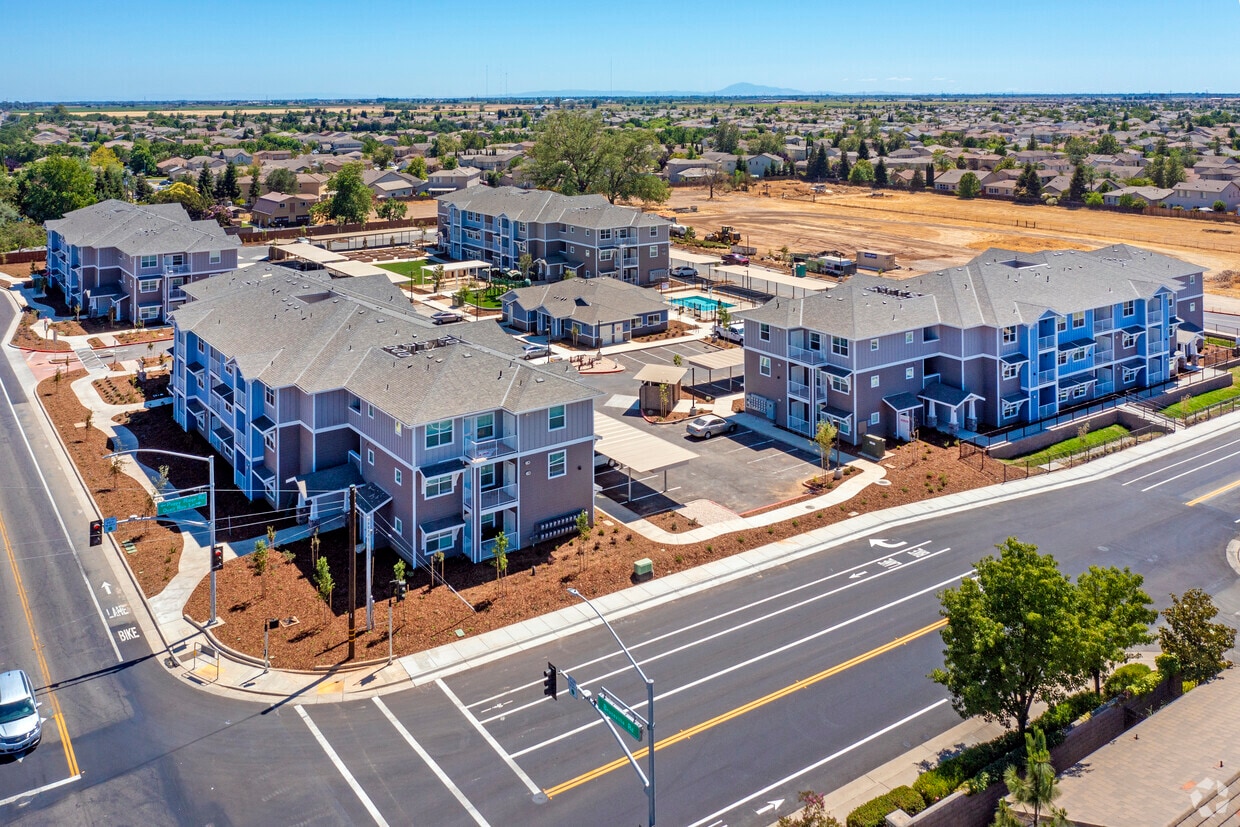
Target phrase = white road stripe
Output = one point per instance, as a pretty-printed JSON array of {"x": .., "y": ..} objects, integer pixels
[
  {"x": 838, "y": 754},
  {"x": 758, "y": 658},
  {"x": 697, "y": 624},
  {"x": 430, "y": 762},
  {"x": 63, "y": 529},
  {"x": 1181, "y": 462},
  {"x": 490, "y": 739},
  {"x": 1191, "y": 471},
  {"x": 344, "y": 771},
  {"x": 37, "y": 790}
]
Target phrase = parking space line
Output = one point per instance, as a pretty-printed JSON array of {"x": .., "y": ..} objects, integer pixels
[
  {"x": 504, "y": 756},
  {"x": 37, "y": 790},
  {"x": 344, "y": 771},
  {"x": 655, "y": 494},
  {"x": 763, "y": 459},
  {"x": 430, "y": 762}
]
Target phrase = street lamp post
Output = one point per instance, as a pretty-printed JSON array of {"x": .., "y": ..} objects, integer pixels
[
  {"x": 210, "y": 461},
  {"x": 649, "y": 703}
]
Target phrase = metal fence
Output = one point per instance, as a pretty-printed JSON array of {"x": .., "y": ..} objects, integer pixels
[{"x": 1018, "y": 469}]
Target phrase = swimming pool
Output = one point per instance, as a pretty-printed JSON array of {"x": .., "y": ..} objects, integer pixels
[{"x": 700, "y": 303}]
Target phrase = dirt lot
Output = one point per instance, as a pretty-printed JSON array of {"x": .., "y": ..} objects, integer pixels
[{"x": 928, "y": 231}]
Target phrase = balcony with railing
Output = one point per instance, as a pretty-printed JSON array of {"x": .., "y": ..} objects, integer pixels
[
  {"x": 493, "y": 448},
  {"x": 1103, "y": 388},
  {"x": 1047, "y": 410},
  {"x": 806, "y": 356},
  {"x": 488, "y": 546},
  {"x": 497, "y": 497},
  {"x": 798, "y": 389},
  {"x": 801, "y": 426},
  {"x": 355, "y": 459},
  {"x": 176, "y": 269},
  {"x": 177, "y": 295},
  {"x": 1104, "y": 356},
  {"x": 1046, "y": 342},
  {"x": 1037, "y": 378},
  {"x": 1103, "y": 324}
]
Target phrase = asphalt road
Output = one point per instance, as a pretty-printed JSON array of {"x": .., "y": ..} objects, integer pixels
[{"x": 802, "y": 677}]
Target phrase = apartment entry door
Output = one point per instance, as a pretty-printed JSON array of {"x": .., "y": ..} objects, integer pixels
[{"x": 904, "y": 425}]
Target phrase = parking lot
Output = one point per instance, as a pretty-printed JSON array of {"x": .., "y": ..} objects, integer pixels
[{"x": 740, "y": 471}]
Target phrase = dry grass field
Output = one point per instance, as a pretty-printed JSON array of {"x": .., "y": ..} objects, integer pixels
[{"x": 928, "y": 231}]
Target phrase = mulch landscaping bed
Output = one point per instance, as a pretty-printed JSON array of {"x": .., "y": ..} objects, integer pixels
[
  {"x": 430, "y": 618},
  {"x": 674, "y": 330},
  {"x": 129, "y": 390},
  {"x": 150, "y": 334},
  {"x": 27, "y": 338}
]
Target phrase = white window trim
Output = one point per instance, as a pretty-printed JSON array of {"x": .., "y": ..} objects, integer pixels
[
  {"x": 437, "y": 484},
  {"x": 874, "y": 381},
  {"x": 764, "y": 365},
  {"x": 551, "y": 417},
  {"x": 1009, "y": 335},
  {"x": 438, "y": 436},
  {"x": 1011, "y": 371},
  {"x": 551, "y": 463},
  {"x": 148, "y": 285},
  {"x": 398, "y": 525},
  {"x": 875, "y": 418},
  {"x": 370, "y": 456},
  {"x": 873, "y": 345},
  {"x": 215, "y": 257},
  {"x": 909, "y": 373},
  {"x": 398, "y": 477}
]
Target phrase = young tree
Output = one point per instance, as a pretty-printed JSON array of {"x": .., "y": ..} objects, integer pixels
[
  {"x": 825, "y": 437},
  {"x": 1197, "y": 644},
  {"x": 583, "y": 532},
  {"x": 279, "y": 179},
  {"x": 524, "y": 263},
  {"x": 843, "y": 169},
  {"x": 1115, "y": 616},
  {"x": 929, "y": 176},
  {"x": 258, "y": 561},
  {"x": 1012, "y": 636},
  {"x": 1039, "y": 788},
  {"x": 324, "y": 583},
  {"x": 351, "y": 198},
  {"x": 969, "y": 186},
  {"x": 501, "y": 556}
]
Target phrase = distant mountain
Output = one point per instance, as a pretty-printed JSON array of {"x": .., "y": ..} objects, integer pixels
[
  {"x": 753, "y": 90},
  {"x": 736, "y": 90}
]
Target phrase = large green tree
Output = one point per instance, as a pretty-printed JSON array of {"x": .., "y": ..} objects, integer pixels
[
  {"x": 1078, "y": 186},
  {"x": 226, "y": 187},
  {"x": 282, "y": 180},
  {"x": 110, "y": 183},
  {"x": 969, "y": 186},
  {"x": 1115, "y": 616},
  {"x": 351, "y": 198},
  {"x": 726, "y": 137},
  {"x": 55, "y": 186},
  {"x": 1190, "y": 636},
  {"x": 1012, "y": 636},
  {"x": 185, "y": 195},
  {"x": 575, "y": 153}
]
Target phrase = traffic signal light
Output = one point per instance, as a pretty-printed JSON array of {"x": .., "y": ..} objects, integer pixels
[
  {"x": 550, "y": 680},
  {"x": 217, "y": 558},
  {"x": 96, "y": 532}
]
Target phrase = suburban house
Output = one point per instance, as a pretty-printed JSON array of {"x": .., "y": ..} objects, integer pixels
[
  {"x": 1202, "y": 193},
  {"x": 755, "y": 165},
  {"x": 278, "y": 209},
  {"x": 683, "y": 170},
  {"x": 489, "y": 160},
  {"x": 591, "y": 312},
  {"x": 1009, "y": 338},
  {"x": 309, "y": 386},
  {"x": 236, "y": 155},
  {"x": 1155, "y": 196},
  {"x": 133, "y": 259},
  {"x": 949, "y": 179},
  {"x": 582, "y": 234},
  {"x": 450, "y": 180},
  {"x": 391, "y": 184}
]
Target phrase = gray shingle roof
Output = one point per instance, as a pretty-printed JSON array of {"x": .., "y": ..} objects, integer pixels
[
  {"x": 141, "y": 229},
  {"x": 305, "y": 330},
  {"x": 589, "y": 301},
  {"x": 541, "y": 206},
  {"x": 996, "y": 289}
]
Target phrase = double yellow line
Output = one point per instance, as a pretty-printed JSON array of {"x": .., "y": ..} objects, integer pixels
[
  {"x": 57, "y": 715},
  {"x": 804, "y": 683},
  {"x": 1211, "y": 495}
]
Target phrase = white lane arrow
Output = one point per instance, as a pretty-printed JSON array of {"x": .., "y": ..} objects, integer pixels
[
  {"x": 107, "y": 587},
  {"x": 856, "y": 574},
  {"x": 771, "y": 806},
  {"x": 887, "y": 543}
]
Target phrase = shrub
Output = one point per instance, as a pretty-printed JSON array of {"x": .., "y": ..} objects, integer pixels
[
  {"x": 874, "y": 812},
  {"x": 1132, "y": 680}
]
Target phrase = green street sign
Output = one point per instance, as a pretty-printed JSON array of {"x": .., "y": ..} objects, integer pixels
[
  {"x": 175, "y": 504},
  {"x": 619, "y": 717}
]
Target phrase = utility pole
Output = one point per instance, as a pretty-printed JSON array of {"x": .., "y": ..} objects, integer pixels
[{"x": 352, "y": 570}]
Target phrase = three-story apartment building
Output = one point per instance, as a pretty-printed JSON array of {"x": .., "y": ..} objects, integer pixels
[
  {"x": 309, "y": 385},
  {"x": 135, "y": 258},
  {"x": 1009, "y": 338},
  {"x": 582, "y": 234}
]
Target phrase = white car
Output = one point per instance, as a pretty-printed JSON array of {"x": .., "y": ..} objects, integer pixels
[
  {"x": 734, "y": 332},
  {"x": 704, "y": 427},
  {"x": 684, "y": 272},
  {"x": 20, "y": 726}
]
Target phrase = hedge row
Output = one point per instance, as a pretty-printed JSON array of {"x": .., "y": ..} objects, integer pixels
[{"x": 874, "y": 812}]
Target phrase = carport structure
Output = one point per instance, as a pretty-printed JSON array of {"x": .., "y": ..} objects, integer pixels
[
  {"x": 636, "y": 450},
  {"x": 728, "y": 357}
]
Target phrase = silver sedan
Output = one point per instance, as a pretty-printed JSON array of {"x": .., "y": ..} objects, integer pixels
[{"x": 704, "y": 427}]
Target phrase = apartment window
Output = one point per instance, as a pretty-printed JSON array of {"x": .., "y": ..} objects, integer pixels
[
  {"x": 484, "y": 426},
  {"x": 845, "y": 427},
  {"x": 439, "y": 486},
  {"x": 1192, "y": 278},
  {"x": 398, "y": 526},
  {"x": 439, "y": 433},
  {"x": 1078, "y": 320},
  {"x": 764, "y": 365},
  {"x": 1130, "y": 374},
  {"x": 1063, "y": 357},
  {"x": 873, "y": 344},
  {"x": 764, "y": 332},
  {"x": 1010, "y": 409},
  {"x": 604, "y": 235},
  {"x": 874, "y": 381},
  {"x": 147, "y": 313},
  {"x": 269, "y": 439},
  {"x": 1078, "y": 392},
  {"x": 440, "y": 542},
  {"x": 486, "y": 477},
  {"x": 874, "y": 418},
  {"x": 841, "y": 384},
  {"x": 908, "y": 338},
  {"x": 557, "y": 464},
  {"x": 1063, "y": 395},
  {"x": 587, "y": 235},
  {"x": 555, "y": 418},
  {"x": 572, "y": 231},
  {"x": 176, "y": 260},
  {"x": 399, "y": 477},
  {"x": 1009, "y": 335},
  {"x": 1129, "y": 340},
  {"x": 815, "y": 341},
  {"x": 1061, "y": 324},
  {"x": 148, "y": 285},
  {"x": 268, "y": 394},
  {"x": 216, "y": 256},
  {"x": 148, "y": 262},
  {"x": 398, "y": 428},
  {"x": 839, "y": 346},
  {"x": 605, "y": 255},
  {"x": 1192, "y": 307},
  {"x": 1011, "y": 371},
  {"x": 1078, "y": 355},
  {"x": 654, "y": 232},
  {"x": 370, "y": 456},
  {"x": 909, "y": 373},
  {"x": 654, "y": 251},
  {"x": 572, "y": 249},
  {"x": 1129, "y": 308},
  {"x": 200, "y": 350}
]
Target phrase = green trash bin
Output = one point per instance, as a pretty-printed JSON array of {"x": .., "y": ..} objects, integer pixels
[{"x": 799, "y": 270}]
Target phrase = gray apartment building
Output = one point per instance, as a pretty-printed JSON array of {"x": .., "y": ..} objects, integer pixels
[
  {"x": 590, "y": 312},
  {"x": 135, "y": 258},
  {"x": 309, "y": 385},
  {"x": 584, "y": 235},
  {"x": 1010, "y": 338}
]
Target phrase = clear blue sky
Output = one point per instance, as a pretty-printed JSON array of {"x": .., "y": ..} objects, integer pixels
[{"x": 91, "y": 50}]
